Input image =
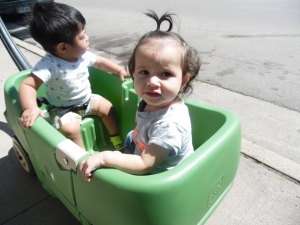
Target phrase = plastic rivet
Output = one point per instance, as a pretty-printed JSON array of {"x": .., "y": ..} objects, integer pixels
[{"x": 66, "y": 160}]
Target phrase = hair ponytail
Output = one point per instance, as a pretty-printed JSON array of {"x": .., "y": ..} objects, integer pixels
[{"x": 165, "y": 17}]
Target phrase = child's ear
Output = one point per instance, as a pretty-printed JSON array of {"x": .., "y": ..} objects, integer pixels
[
  {"x": 185, "y": 79},
  {"x": 61, "y": 48}
]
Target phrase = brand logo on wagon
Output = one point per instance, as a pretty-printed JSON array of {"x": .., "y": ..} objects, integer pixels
[{"x": 215, "y": 191}]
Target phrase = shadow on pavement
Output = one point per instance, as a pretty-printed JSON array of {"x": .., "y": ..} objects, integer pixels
[
  {"x": 5, "y": 128},
  {"x": 23, "y": 198}
]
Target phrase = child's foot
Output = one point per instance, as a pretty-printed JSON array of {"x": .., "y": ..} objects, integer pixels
[{"x": 117, "y": 142}]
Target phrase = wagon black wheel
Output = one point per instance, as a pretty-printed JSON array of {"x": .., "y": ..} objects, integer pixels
[{"x": 22, "y": 156}]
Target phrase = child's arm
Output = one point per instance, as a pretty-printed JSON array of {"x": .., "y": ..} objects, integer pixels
[
  {"x": 27, "y": 95},
  {"x": 109, "y": 66},
  {"x": 128, "y": 163}
]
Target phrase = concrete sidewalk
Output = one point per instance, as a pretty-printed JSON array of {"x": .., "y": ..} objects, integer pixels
[{"x": 260, "y": 194}]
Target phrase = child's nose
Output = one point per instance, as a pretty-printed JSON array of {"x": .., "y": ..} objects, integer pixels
[{"x": 153, "y": 81}]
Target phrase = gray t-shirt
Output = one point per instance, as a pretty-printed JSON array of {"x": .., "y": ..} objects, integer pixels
[
  {"x": 169, "y": 128},
  {"x": 66, "y": 82}
]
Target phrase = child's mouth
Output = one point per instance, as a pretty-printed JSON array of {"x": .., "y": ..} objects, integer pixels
[{"x": 152, "y": 94}]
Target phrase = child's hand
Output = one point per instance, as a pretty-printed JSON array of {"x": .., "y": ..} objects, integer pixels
[
  {"x": 89, "y": 165},
  {"x": 29, "y": 116},
  {"x": 122, "y": 74}
]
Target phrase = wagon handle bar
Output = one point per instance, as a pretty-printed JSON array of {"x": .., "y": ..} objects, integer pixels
[{"x": 13, "y": 50}]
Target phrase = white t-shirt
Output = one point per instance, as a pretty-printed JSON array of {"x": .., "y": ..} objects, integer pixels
[{"x": 66, "y": 82}]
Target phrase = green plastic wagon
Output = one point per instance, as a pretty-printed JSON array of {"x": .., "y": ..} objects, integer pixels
[{"x": 187, "y": 194}]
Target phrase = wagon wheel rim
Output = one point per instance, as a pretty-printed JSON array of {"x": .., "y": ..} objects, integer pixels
[{"x": 22, "y": 157}]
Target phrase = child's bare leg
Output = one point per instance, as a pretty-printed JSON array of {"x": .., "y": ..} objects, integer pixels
[
  {"x": 104, "y": 109},
  {"x": 72, "y": 131}
]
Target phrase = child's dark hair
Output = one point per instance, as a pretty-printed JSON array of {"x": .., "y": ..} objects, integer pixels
[
  {"x": 52, "y": 23},
  {"x": 190, "y": 58}
]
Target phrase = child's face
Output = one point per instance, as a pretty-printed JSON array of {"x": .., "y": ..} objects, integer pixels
[
  {"x": 157, "y": 74},
  {"x": 80, "y": 45}
]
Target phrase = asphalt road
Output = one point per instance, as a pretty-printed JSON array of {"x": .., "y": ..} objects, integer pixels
[{"x": 249, "y": 47}]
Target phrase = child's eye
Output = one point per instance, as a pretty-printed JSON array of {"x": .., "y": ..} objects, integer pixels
[
  {"x": 144, "y": 72},
  {"x": 166, "y": 74}
]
